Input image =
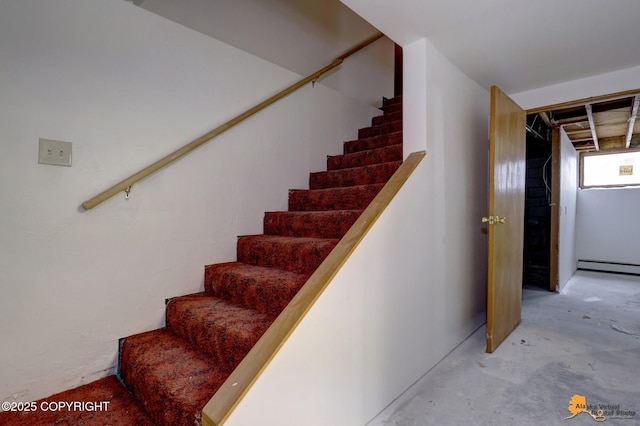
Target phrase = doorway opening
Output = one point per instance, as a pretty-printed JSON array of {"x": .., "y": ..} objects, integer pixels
[
  {"x": 578, "y": 128},
  {"x": 537, "y": 217}
]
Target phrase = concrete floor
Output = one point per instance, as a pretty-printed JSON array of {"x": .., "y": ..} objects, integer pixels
[{"x": 584, "y": 340}]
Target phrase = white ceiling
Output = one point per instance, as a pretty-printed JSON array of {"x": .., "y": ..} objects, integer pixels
[
  {"x": 301, "y": 36},
  {"x": 518, "y": 45}
]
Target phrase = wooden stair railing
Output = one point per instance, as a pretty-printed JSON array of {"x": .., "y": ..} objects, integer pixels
[{"x": 126, "y": 184}]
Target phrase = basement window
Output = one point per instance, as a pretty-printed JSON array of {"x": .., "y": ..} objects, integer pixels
[{"x": 610, "y": 170}]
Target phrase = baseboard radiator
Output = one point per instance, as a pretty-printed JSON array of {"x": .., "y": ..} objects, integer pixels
[{"x": 604, "y": 266}]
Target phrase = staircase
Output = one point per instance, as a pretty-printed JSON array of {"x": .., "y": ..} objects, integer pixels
[{"x": 174, "y": 371}]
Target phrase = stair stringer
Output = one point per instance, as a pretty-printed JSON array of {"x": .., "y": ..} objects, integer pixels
[{"x": 296, "y": 332}]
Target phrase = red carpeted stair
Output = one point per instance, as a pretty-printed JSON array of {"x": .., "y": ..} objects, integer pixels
[{"x": 172, "y": 373}]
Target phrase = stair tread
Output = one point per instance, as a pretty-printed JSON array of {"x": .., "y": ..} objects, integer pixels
[
  {"x": 296, "y": 254},
  {"x": 222, "y": 330},
  {"x": 371, "y": 173},
  {"x": 340, "y": 189},
  {"x": 271, "y": 274},
  {"x": 348, "y": 197},
  {"x": 393, "y": 100},
  {"x": 387, "y": 117},
  {"x": 397, "y": 121},
  {"x": 122, "y": 407},
  {"x": 317, "y": 224},
  {"x": 315, "y": 213},
  {"x": 372, "y": 142},
  {"x": 392, "y": 104},
  {"x": 380, "y": 129},
  {"x": 382, "y": 154},
  {"x": 173, "y": 379},
  {"x": 282, "y": 239},
  {"x": 267, "y": 290},
  {"x": 399, "y": 132}
]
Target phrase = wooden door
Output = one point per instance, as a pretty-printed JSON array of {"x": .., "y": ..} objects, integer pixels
[{"x": 507, "y": 166}]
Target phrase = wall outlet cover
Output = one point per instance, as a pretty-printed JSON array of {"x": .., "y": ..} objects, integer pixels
[{"x": 57, "y": 153}]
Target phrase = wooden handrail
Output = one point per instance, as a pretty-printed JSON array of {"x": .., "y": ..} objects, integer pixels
[
  {"x": 165, "y": 161},
  {"x": 237, "y": 385}
]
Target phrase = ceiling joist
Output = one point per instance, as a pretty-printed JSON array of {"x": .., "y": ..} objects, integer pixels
[
  {"x": 592, "y": 125},
  {"x": 632, "y": 120},
  {"x": 598, "y": 124},
  {"x": 545, "y": 118}
]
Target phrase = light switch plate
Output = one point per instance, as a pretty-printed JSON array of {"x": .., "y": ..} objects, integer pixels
[{"x": 57, "y": 153}]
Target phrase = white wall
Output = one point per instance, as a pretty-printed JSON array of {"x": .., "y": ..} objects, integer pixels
[
  {"x": 607, "y": 226},
  {"x": 457, "y": 151},
  {"x": 301, "y": 36},
  {"x": 414, "y": 113},
  {"x": 412, "y": 291},
  {"x": 126, "y": 87},
  {"x": 598, "y": 85},
  {"x": 567, "y": 257}
]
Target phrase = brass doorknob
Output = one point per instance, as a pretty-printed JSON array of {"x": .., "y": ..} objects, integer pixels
[{"x": 491, "y": 220}]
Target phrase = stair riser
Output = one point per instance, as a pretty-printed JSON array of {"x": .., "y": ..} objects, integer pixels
[
  {"x": 384, "y": 129},
  {"x": 350, "y": 198},
  {"x": 299, "y": 256},
  {"x": 224, "y": 332},
  {"x": 386, "y": 118},
  {"x": 311, "y": 224},
  {"x": 390, "y": 109},
  {"x": 365, "y": 158},
  {"x": 374, "y": 142},
  {"x": 264, "y": 293},
  {"x": 160, "y": 414},
  {"x": 392, "y": 105},
  {"x": 378, "y": 173},
  {"x": 172, "y": 388},
  {"x": 396, "y": 100}
]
